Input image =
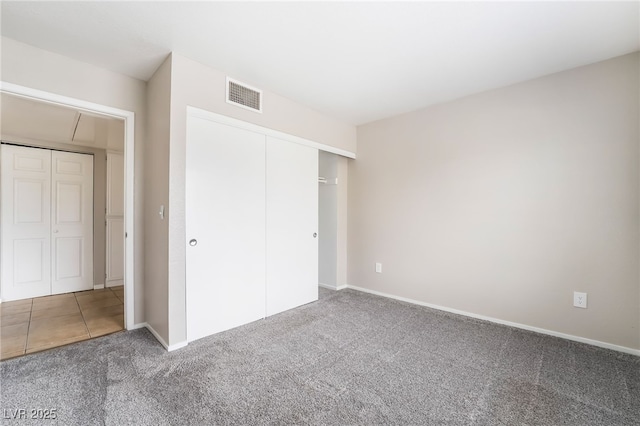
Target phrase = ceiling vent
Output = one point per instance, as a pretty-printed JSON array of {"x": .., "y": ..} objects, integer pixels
[{"x": 243, "y": 95}]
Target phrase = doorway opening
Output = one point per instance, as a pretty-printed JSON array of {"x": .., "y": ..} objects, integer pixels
[
  {"x": 332, "y": 221},
  {"x": 44, "y": 122}
]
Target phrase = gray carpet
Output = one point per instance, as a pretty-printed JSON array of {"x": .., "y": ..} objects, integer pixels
[{"x": 350, "y": 358}]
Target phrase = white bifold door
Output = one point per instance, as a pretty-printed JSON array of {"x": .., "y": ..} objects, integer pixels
[
  {"x": 252, "y": 213},
  {"x": 47, "y": 222}
]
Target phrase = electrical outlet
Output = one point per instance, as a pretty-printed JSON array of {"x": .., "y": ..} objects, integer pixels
[
  {"x": 378, "y": 267},
  {"x": 580, "y": 299}
]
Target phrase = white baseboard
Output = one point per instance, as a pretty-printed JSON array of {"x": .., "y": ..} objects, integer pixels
[
  {"x": 115, "y": 283},
  {"x": 137, "y": 326},
  {"x": 332, "y": 287},
  {"x": 159, "y": 338},
  {"x": 177, "y": 346},
  {"x": 98, "y": 286},
  {"x": 503, "y": 322}
]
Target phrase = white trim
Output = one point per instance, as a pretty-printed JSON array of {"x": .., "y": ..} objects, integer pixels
[
  {"x": 55, "y": 99},
  {"x": 332, "y": 287},
  {"x": 503, "y": 322},
  {"x": 177, "y": 346},
  {"x": 223, "y": 119},
  {"x": 129, "y": 141},
  {"x": 155, "y": 334},
  {"x": 114, "y": 283},
  {"x": 169, "y": 348},
  {"x": 98, "y": 286},
  {"x": 329, "y": 286}
]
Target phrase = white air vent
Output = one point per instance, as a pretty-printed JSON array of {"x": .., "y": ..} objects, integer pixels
[{"x": 243, "y": 95}]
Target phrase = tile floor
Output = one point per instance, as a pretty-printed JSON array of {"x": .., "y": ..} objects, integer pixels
[{"x": 33, "y": 325}]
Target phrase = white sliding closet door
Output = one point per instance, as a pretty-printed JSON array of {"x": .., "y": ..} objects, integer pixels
[
  {"x": 292, "y": 225},
  {"x": 72, "y": 222},
  {"x": 26, "y": 222},
  {"x": 225, "y": 227}
]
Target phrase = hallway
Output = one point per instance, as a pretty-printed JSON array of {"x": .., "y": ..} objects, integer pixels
[{"x": 33, "y": 325}]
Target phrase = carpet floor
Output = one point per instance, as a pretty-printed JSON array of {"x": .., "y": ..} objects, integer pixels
[{"x": 350, "y": 358}]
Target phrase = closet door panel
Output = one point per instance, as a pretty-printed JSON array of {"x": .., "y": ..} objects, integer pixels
[
  {"x": 72, "y": 222},
  {"x": 225, "y": 227},
  {"x": 115, "y": 220},
  {"x": 292, "y": 225},
  {"x": 115, "y": 252},
  {"x": 26, "y": 222}
]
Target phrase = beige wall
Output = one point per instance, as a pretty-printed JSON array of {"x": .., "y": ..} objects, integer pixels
[
  {"x": 503, "y": 203},
  {"x": 342, "y": 217},
  {"x": 156, "y": 184},
  {"x": 199, "y": 86},
  {"x": 332, "y": 220},
  {"x": 99, "y": 195},
  {"x": 39, "y": 69},
  {"x": 328, "y": 220}
]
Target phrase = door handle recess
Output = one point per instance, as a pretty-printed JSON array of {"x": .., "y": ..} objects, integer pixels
[
  {"x": 193, "y": 242},
  {"x": 315, "y": 234}
]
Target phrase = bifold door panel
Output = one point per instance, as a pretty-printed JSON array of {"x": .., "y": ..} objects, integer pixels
[
  {"x": 26, "y": 222},
  {"x": 72, "y": 222},
  {"x": 47, "y": 222},
  {"x": 251, "y": 211}
]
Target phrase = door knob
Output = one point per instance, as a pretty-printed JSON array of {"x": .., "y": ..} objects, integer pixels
[
  {"x": 193, "y": 242},
  {"x": 315, "y": 234}
]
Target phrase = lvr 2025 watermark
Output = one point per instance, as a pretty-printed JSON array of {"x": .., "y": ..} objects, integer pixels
[{"x": 30, "y": 413}]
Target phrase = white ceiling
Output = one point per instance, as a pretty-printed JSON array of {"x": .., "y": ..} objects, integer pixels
[
  {"x": 355, "y": 61},
  {"x": 23, "y": 118}
]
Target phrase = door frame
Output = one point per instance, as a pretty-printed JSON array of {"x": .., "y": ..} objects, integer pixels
[{"x": 129, "y": 142}]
